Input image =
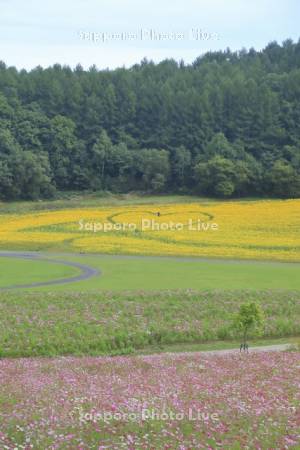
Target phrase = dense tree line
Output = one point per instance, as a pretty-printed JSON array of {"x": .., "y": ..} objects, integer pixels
[{"x": 226, "y": 125}]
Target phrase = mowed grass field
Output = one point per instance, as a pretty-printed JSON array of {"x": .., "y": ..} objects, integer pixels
[
  {"x": 21, "y": 271},
  {"x": 119, "y": 273}
]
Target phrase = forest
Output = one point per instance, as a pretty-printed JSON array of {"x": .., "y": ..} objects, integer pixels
[{"x": 227, "y": 126}]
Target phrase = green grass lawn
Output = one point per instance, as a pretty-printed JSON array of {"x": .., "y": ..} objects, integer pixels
[
  {"x": 18, "y": 271},
  {"x": 152, "y": 273}
]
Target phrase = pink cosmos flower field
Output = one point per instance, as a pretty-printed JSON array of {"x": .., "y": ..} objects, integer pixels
[{"x": 168, "y": 401}]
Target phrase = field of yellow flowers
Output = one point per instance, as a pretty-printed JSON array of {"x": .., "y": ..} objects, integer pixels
[{"x": 264, "y": 230}]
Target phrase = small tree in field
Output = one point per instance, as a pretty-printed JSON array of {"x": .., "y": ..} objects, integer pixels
[{"x": 249, "y": 318}]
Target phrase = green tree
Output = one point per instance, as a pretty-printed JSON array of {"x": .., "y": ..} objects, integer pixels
[
  {"x": 219, "y": 146},
  {"x": 216, "y": 177},
  {"x": 23, "y": 174},
  {"x": 100, "y": 154},
  {"x": 152, "y": 169},
  {"x": 61, "y": 143},
  {"x": 283, "y": 180},
  {"x": 181, "y": 166},
  {"x": 250, "y": 318}
]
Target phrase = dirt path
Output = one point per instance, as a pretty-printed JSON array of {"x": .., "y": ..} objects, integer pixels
[
  {"x": 86, "y": 271},
  {"x": 262, "y": 348}
]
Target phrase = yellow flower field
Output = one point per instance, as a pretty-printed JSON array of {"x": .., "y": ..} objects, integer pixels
[{"x": 264, "y": 230}]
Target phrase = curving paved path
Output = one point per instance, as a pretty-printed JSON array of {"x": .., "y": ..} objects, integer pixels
[{"x": 86, "y": 271}]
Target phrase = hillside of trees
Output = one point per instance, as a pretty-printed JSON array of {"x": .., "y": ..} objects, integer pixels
[{"x": 227, "y": 125}]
